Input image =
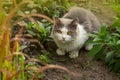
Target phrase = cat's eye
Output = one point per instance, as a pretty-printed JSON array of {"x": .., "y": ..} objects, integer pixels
[
  {"x": 59, "y": 31},
  {"x": 69, "y": 32}
]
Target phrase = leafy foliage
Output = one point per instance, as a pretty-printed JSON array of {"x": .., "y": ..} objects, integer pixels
[
  {"x": 40, "y": 30},
  {"x": 58, "y": 7},
  {"x": 44, "y": 58},
  {"x": 107, "y": 45},
  {"x": 50, "y": 8},
  {"x": 14, "y": 64}
]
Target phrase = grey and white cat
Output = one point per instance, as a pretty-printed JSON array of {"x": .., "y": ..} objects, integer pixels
[{"x": 71, "y": 31}]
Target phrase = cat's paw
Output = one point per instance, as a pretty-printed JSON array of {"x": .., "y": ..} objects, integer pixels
[
  {"x": 60, "y": 52},
  {"x": 88, "y": 47},
  {"x": 74, "y": 54}
]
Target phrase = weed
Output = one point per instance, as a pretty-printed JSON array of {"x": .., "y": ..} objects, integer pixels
[
  {"x": 40, "y": 30},
  {"x": 58, "y": 7},
  {"x": 107, "y": 45},
  {"x": 44, "y": 58}
]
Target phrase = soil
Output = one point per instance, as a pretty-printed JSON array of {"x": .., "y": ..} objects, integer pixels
[{"x": 84, "y": 66}]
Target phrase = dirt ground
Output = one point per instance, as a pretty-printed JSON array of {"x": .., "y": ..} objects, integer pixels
[
  {"x": 89, "y": 69},
  {"x": 83, "y": 66}
]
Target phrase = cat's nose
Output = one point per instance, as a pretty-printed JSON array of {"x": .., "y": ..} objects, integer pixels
[{"x": 63, "y": 38}]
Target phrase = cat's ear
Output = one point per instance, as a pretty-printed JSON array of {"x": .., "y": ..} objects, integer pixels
[
  {"x": 74, "y": 23},
  {"x": 57, "y": 22}
]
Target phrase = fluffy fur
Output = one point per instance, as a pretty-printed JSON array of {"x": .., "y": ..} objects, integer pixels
[{"x": 70, "y": 31}]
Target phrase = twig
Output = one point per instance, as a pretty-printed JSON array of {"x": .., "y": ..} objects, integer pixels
[
  {"x": 55, "y": 67},
  {"x": 38, "y": 15}
]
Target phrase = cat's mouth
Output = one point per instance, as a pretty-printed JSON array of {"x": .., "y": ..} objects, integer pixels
[{"x": 64, "y": 41}]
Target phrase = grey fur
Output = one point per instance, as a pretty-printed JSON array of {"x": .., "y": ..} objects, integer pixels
[{"x": 86, "y": 18}]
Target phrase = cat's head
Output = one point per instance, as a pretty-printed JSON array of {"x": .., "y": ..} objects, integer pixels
[{"x": 65, "y": 29}]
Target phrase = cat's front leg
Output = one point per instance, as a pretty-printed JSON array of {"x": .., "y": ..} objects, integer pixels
[
  {"x": 74, "y": 54},
  {"x": 60, "y": 52}
]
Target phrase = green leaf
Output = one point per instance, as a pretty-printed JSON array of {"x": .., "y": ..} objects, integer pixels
[
  {"x": 32, "y": 5},
  {"x": 96, "y": 39},
  {"x": 109, "y": 56},
  {"x": 41, "y": 75},
  {"x": 1, "y": 17},
  {"x": 22, "y": 47},
  {"x": 19, "y": 12},
  {"x": 30, "y": 24},
  {"x": 110, "y": 64},
  {"x": 95, "y": 50},
  {"x": 44, "y": 58},
  {"x": 118, "y": 42},
  {"x": 31, "y": 32},
  {"x": 103, "y": 30},
  {"x": 99, "y": 54},
  {"x": 116, "y": 34},
  {"x": 118, "y": 28},
  {"x": 116, "y": 23},
  {"x": 116, "y": 67}
]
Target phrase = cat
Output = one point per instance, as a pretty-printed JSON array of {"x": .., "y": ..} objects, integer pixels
[{"x": 71, "y": 31}]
